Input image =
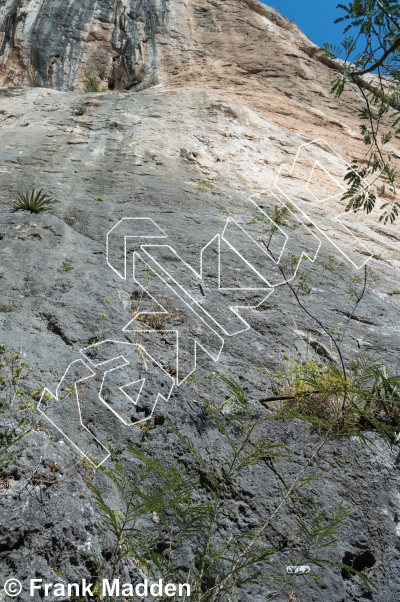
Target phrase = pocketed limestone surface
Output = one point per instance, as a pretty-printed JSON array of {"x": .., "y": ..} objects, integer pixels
[{"x": 181, "y": 162}]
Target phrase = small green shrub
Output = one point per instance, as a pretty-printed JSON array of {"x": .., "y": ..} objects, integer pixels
[
  {"x": 290, "y": 268},
  {"x": 80, "y": 110},
  {"x": 354, "y": 284},
  {"x": 7, "y": 440},
  {"x": 11, "y": 372},
  {"x": 92, "y": 82},
  {"x": 147, "y": 426},
  {"x": 33, "y": 201},
  {"x": 279, "y": 216},
  {"x": 366, "y": 397},
  {"x": 67, "y": 267},
  {"x": 190, "y": 511},
  {"x": 202, "y": 186},
  {"x": 4, "y": 307},
  {"x": 29, "y": 405}
]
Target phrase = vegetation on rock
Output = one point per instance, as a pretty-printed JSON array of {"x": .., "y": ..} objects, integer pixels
[
  {"x": 375, "y": 73},
  {"x": 171, "y": 494},
  {"x": 33, "y": 201}
]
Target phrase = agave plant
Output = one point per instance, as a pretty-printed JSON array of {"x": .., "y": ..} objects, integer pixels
[{"x": 33, "y": 201}]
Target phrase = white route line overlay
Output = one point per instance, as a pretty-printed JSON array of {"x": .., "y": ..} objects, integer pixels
[
  {"x": 146, "y": 219},
  {"x": 289, "y": 170},
  {"x": 214, "y": 357},
  {"x": 145, "y": 248},
  {"x": 56, "y": 397},
  {"x": 304, "y": 254},
  {"x": 131, "y": 346},
  {"x": 199, "y": 275}
]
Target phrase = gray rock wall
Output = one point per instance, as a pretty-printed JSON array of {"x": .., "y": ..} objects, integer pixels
[
  {"x": 221, "y": 95},
  {"x": 53, "y": 44},
  {"x": 146, "y": 155}
]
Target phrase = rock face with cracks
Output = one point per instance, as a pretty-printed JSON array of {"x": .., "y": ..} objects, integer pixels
[
  {"x": 185, "y": 164},
  {"x": 54, "y": 44}
]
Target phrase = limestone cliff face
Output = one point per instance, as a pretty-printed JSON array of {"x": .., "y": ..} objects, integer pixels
[
  {"x": 51, "y": 44},
  {"x": 220, "y": 95},
  {"x": 242, "y": 49}
]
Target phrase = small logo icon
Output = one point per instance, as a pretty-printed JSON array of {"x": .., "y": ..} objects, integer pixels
[{"x": 12, "y": 587}]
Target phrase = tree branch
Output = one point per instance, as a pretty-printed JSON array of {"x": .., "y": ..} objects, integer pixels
[
  {"x": 379, "y": 63},
  {"x": 383, "y": 9}
]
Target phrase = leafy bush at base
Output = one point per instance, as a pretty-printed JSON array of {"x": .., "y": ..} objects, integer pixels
[{"x": 187, "y": 542}]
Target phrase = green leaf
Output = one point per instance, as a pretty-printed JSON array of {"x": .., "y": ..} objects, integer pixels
[{"x": 35, "y": 202}]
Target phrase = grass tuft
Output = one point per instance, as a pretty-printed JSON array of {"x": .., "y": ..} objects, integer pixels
[
  {"x": 4, "y": 307},
  {"x": 201, "y": 186},
  {"x": 80, "y": 110},
  {"x": 33, "y": 201},
  {"x": 67, "y": 267}
]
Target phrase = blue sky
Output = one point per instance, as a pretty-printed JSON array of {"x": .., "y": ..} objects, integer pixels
[{"x": 314, "y": 17}]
